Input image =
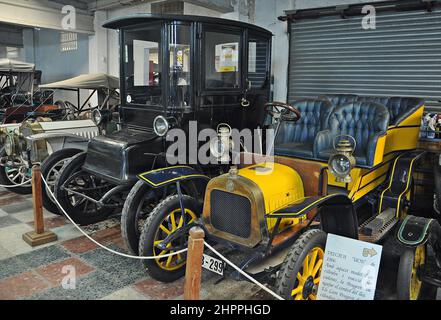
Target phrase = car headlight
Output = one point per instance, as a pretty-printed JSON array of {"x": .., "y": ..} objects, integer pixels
[
  {"x": 161, "y": 126},
  {"x": 9, "y": 146},
  {"x": 342, "y": 161},
  {"x": 218, "y": 148},
  {"x": 340, "y": 165},
  {"x": 97, "y": 117}
]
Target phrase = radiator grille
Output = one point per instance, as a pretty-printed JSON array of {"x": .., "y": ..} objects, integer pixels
[{"x": 231, "y": 213}]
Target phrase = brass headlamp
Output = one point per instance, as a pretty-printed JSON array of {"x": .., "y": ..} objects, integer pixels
[{"x": 342, "y": 161}]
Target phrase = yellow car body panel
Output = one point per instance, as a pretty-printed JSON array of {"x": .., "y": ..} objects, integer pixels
[{"x": 280, "y": 186}]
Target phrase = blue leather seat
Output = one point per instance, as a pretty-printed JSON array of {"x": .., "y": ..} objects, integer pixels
[
  {"x": 296, "y": 139},
  {"x": 339, "y": 99},
  {"x": 399, "y": 107},
  {"x": 365, "y": 121}
]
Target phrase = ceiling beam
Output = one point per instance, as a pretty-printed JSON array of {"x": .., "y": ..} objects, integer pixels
[
  {"x": 223, "y": 6},
  {"x": 82, "y": 5}
]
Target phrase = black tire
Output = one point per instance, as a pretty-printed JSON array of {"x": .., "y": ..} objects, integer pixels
[
  {"x": 46, "y": 167},
  {"x": 129, "y": 216},
  {"x": 409, "y": 285},
  {"x": 287, "y": 278},
  {"x": 150, "y": 233},
  {"x": 144, "y": 196},
  {"x": 4, "y": 180},
  {"x": 77, "y": 214}
]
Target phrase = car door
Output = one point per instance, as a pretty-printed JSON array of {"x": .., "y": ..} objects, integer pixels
[{"x": 221, "y": 81}]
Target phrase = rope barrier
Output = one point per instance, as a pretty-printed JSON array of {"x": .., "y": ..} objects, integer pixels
[
  {"x": 246, "y": 275},
  {"x": 162, "y": 256},
  {"x": 16, "y": 185},
  {"x": 99, "y": 244}
]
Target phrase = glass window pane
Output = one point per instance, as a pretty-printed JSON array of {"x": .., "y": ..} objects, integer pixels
[
  {"x": 142, "y": 66},
  {"x": 258, "y": 63},
  {"x": 179, "y": 73},
  {"x": 222, "y": 60}
]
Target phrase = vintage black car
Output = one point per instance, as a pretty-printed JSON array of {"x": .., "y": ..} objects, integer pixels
[{"x": 174, "y": 69}]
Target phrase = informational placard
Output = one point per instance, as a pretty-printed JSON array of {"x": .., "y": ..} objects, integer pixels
[
  {"x": 227, "y": 57},
  {"x": 350, "y": 269}
]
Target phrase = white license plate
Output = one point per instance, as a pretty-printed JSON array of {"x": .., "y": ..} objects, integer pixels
[{"x": 213, "y": 264}]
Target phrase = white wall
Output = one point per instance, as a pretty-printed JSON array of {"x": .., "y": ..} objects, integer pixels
[{"x": 266, "y": 14}]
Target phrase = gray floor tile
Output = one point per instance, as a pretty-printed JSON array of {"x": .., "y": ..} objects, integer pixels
[
  {"x": 126, "y": 270},
  {"x": 95, "y": 285},
  {"x": 43, "y": 256},
  {"x": 7, "y": 221},
  {"x": 102, "y": 258},
  {"x": 10, "y": 267},
  {"x": 21, "y": 206}
]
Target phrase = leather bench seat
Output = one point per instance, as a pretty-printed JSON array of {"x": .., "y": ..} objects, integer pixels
[
  {"x": 399, "y": 107},
  {"x": 366, "y": 118},
  {"x": 366, "y": 122},
  {"x": 296, "y": 139},
  {"x": 292, "y": 149}
]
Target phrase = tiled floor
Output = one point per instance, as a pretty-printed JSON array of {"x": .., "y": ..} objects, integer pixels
[{"x": 45, "y": 272}]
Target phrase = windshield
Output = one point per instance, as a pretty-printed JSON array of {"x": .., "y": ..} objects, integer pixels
[{"x": 143, "y": 65}]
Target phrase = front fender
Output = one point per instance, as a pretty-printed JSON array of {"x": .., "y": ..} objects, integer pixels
[
  {"x": 337, "y": 213},
  {"x": 55, "y": 135},
  {"x": 165, "y": 176},
  {"x": 414, "y": 231}
]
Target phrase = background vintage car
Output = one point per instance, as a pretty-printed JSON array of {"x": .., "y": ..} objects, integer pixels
[{"x": 34, "y": 140}]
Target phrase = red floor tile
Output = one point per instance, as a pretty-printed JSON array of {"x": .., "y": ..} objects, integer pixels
[
  {"x": 22, "y": 285},
  {"x": 161, "y": 291},
  {"x": 50, "y": 223},
  {"x": 79, "y": 245},
  {"x": 53, "y": 272},
  {"x": 107, "y": 235},
  {"x": 11, "y": 199}
]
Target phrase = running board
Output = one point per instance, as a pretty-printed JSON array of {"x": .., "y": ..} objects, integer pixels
[
  {"x": 270, "y": 262},
  {"x": 375, "y": 228}
]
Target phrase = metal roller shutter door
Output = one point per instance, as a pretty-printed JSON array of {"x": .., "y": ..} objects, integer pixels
[{"x": 401, "y": 57}]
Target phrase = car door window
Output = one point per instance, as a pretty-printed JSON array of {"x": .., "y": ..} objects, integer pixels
[
  {"x": 257, "y": 63},
  {"x": 142, "y": 66},
  {"x": 222, "y": 60}
]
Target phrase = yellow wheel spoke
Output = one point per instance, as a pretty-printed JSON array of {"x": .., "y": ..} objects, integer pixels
[
  {"x": 312, "y": 297},
  {"x": 317, "y": 267},
  {"x": 299, "y": 277},
  {"x": 313, "y": 259},
  {"x": 169, "y": 259},
  {"x": 164, "y": 229},
  {"x": 173, "y": 221},
  {"x": 305, "y": 267},
  {"x": 162, "y": 252},
  {"x": 181, "y": 222},
  {"x": 296, "y": 291},
  {"x": 299, "y": 297},
  {"x": 317, "y": 280},
  {"x": 157, "y": 242}
]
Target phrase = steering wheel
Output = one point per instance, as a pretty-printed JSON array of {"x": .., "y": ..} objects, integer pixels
[{"x": 282, "y": 111}]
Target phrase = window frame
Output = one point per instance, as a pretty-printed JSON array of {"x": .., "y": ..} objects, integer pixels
[
  {"x": 207, "y": 91},
  {"x": 163, "y": 48}
]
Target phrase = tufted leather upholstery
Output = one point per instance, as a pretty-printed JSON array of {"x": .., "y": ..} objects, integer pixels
[
  {"x": 297, "y": 138},
  {"x": 402, "y": 107},
  {"x": 339, "y": 99},
  {"x": 399, "y": 107},
  {"x": 365, "y": 121}
]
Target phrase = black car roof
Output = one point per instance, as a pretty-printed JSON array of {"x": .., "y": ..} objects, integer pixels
[{"x": 135, "y": 19}]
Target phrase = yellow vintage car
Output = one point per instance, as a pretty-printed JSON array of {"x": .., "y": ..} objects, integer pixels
[{"x": 343, "y": 164}]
